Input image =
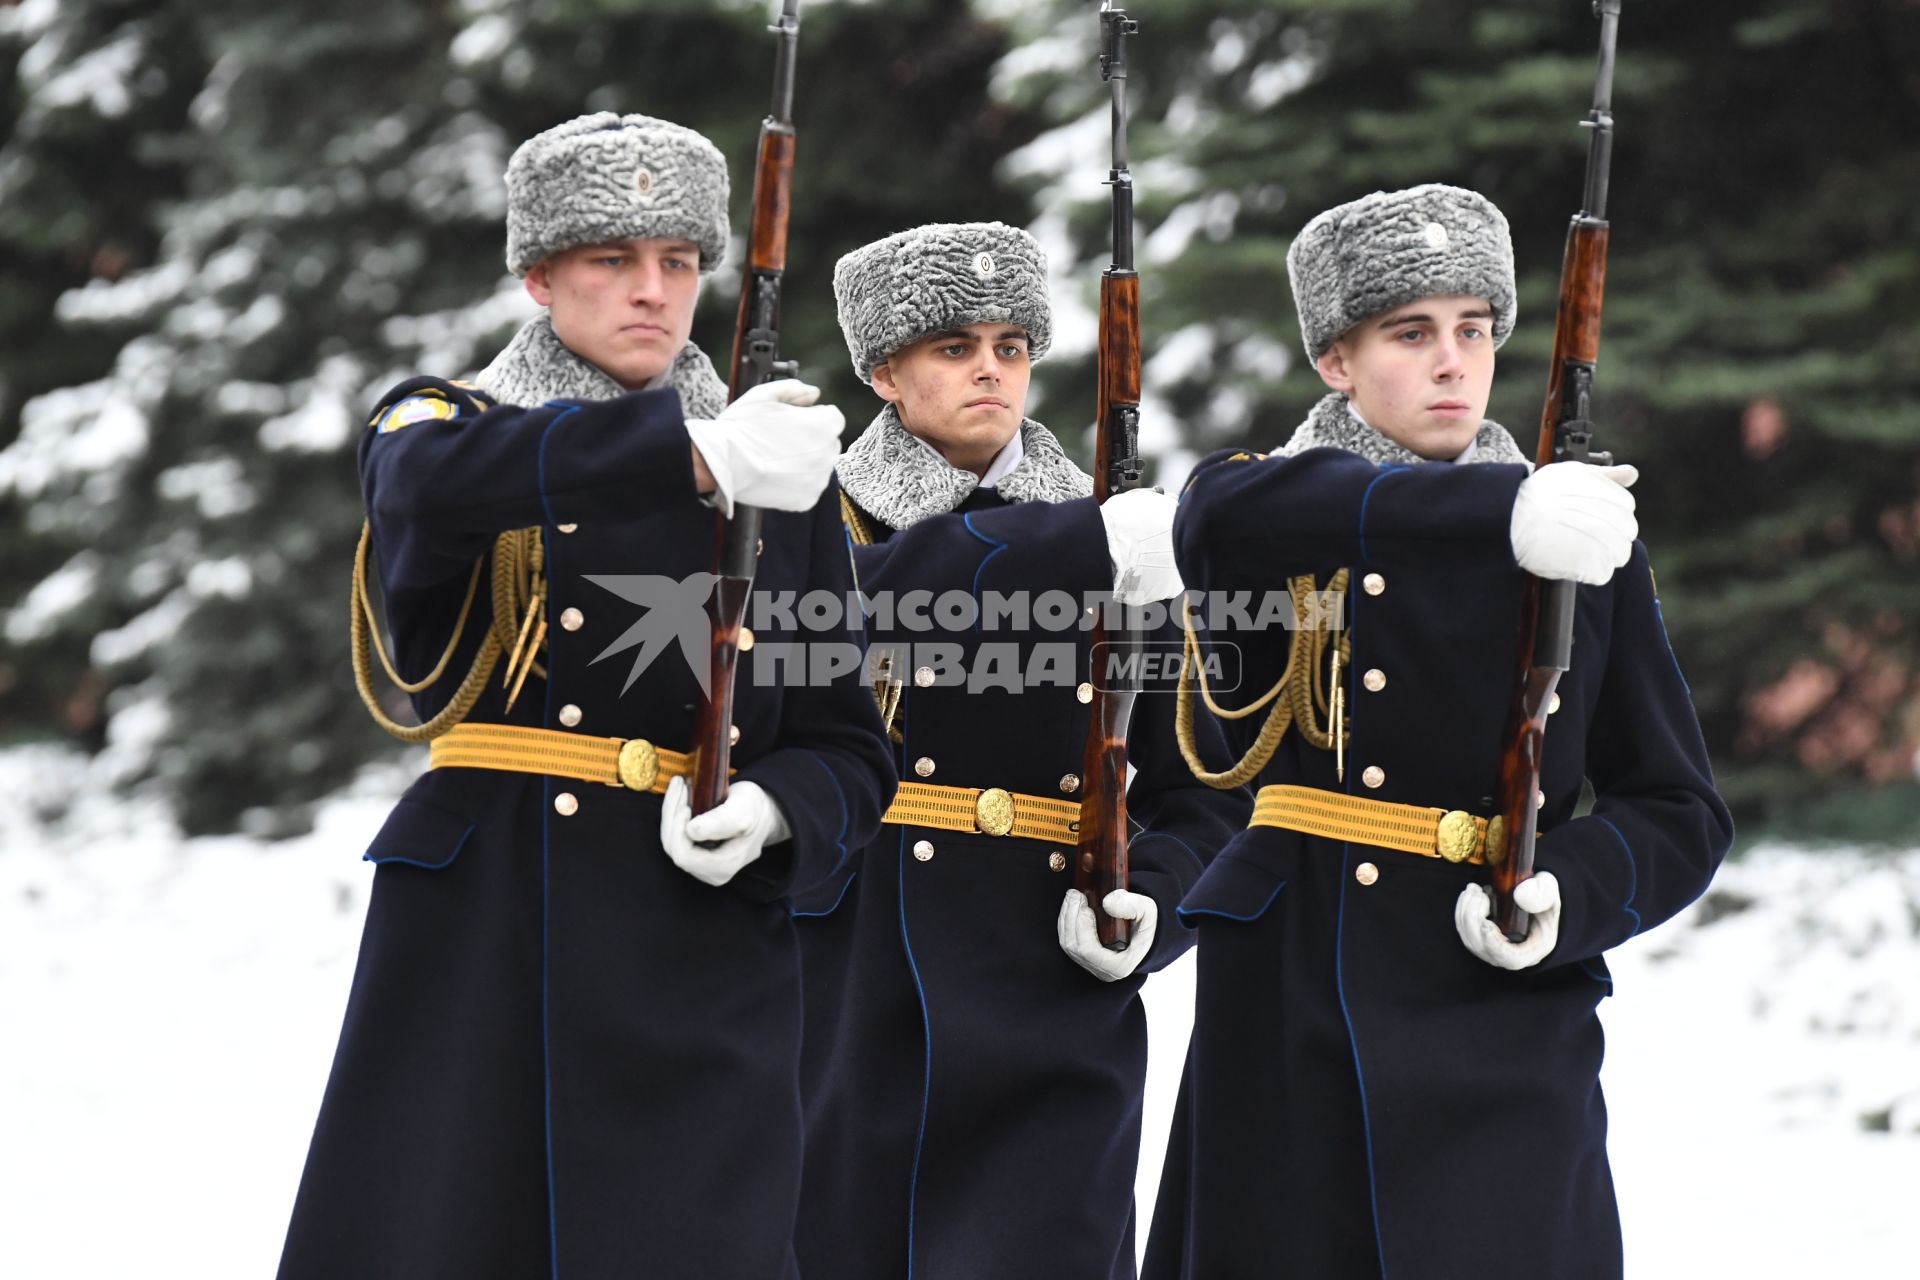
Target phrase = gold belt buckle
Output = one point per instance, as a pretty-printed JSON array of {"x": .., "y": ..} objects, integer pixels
[
  {"x": 1456, "y": 835},
  {"x": 993, "y": 811},
  {"x": 639, "y": 764}
]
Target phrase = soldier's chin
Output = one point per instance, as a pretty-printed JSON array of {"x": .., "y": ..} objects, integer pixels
[
  {"x": 1441, "y": 441},
  {"x": 635, "y": 371}
]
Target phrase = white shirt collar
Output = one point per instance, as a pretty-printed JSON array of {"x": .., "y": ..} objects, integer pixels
[{"x": 1004, "y": 461}]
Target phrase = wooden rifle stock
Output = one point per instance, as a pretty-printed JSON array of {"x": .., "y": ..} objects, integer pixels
[
  {"x": 1102, "y": 864},
  {"x": 756, "y": 337},
  {"x": 1566, "y": 435}
]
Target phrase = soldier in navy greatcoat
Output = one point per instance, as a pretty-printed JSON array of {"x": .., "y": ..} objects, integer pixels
[
  {"x": 975, "y": 1058},
  {"x": 572, "y": 1044},
  {"x": 1380, "y": 1085}
]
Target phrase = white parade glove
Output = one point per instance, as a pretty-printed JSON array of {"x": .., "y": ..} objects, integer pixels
[
  {"x": 1080, "y": 939},
  {"x": 1140, "y": 544},
  {"x": 773, "y": 447},
  {"x": 1538, "y": 895},
  {"x": 714, "y": 846},
  {"x": 1574, "y": 520}
]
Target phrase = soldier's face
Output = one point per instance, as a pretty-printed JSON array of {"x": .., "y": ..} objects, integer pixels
[
  {"x": 962, "y": 390},
  {"x": 626, "y": 305},
  {"x": 1419, "y": 374}
]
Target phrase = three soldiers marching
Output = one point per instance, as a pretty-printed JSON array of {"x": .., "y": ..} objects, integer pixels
[{"x": 855, "y": 1019}]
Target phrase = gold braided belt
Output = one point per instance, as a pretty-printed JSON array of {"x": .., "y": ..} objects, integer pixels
[
  {"x": 633, "y": 763},
  {"x": 992, "y": 812},
  {"x": 1453, "y": 834}
]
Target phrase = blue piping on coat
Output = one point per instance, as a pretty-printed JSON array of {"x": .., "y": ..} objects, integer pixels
[
  {"x": 1185, "y": 914},
  {"x": 1359, "y": 1072},
  {"x": 998, "y": 547},
  {"x": 1340, "y": 968},
  {"x": 415, "y": 862},
  {"x": 546, "y": 922},
  {"x": 840, "y": 898},
  {"x": 1633, "y": 873},
  {"x": 1367, "y": 497},
  {"x": 926, "y": 1079}
]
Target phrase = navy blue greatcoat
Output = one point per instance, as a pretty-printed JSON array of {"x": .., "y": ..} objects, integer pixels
[
  {"x": 563, "y": 1056},
  {"x": 1364, "y": 1099},
  {"x": 973, "y": 1096}
]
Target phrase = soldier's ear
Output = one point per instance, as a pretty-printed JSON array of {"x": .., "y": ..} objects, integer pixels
[
  {"x": 883, "y": 384},
  {"x": 1332, "y": 367},
  {"x": 539, "y": 282}
]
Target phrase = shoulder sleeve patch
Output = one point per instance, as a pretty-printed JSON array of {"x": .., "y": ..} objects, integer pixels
[{"x": 421, "y": 407}]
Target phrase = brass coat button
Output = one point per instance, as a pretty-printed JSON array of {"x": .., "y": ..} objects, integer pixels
[
  {"x": 1539, "y": 799},
  {"x": 1366, "y": 873},
  {"x": 923, "y": 677},
  {"x": 1374, "y": 775},
  {"x": 566, "y": 804},
  {"x": 570, "y": 715},
  {"x": 567, "y": 528},
  {"x": 733, "y": 735},
  {"x": 746, "y": 639},
  {"x": 1084, "y": 693},
  {"x": 1373, "y": 584},
  {"x": 1375, "y": 680},
  {"x": 924, "y": 766},
  {"x": 1070, "y": 783},
  {"x": 1056, "y": 861},
  {"x": 923, "y": 850},
  {"x": 1554, "y": 705},
  {"x": 572, "y": 619}
]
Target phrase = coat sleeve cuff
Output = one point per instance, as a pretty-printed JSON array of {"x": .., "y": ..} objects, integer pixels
[
  {"x": 814, "y": 804},
  {"x": 1163, "y": 868},
  {"x": 1599, "y": 878}
]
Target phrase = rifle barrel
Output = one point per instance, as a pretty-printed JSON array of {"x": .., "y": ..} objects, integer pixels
[
  {"x": 1600, "y": 119},
  {"x": 786, "y": 30}
]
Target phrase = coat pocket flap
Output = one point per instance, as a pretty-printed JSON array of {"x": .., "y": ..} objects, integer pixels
[
  {"x": 1232, "y": 889},
  {"x": 824, "y": 898},
  {"x": 419, "y": 834}
]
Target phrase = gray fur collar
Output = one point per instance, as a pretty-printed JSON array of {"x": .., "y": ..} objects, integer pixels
[
  {"x": 1331, "y": 426},
  {"x": 899, "y": 483},
  {"x": 537, "y": 367}
]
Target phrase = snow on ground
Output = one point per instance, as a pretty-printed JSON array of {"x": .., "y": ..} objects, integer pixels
[{"x": 168, "y": 1010}]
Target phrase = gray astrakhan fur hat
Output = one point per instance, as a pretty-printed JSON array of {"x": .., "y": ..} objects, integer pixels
[
  {"x": 1392, "y": 247},
  {"x": 612, "y": 177},
  {"x": 941, "y": 276}
]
